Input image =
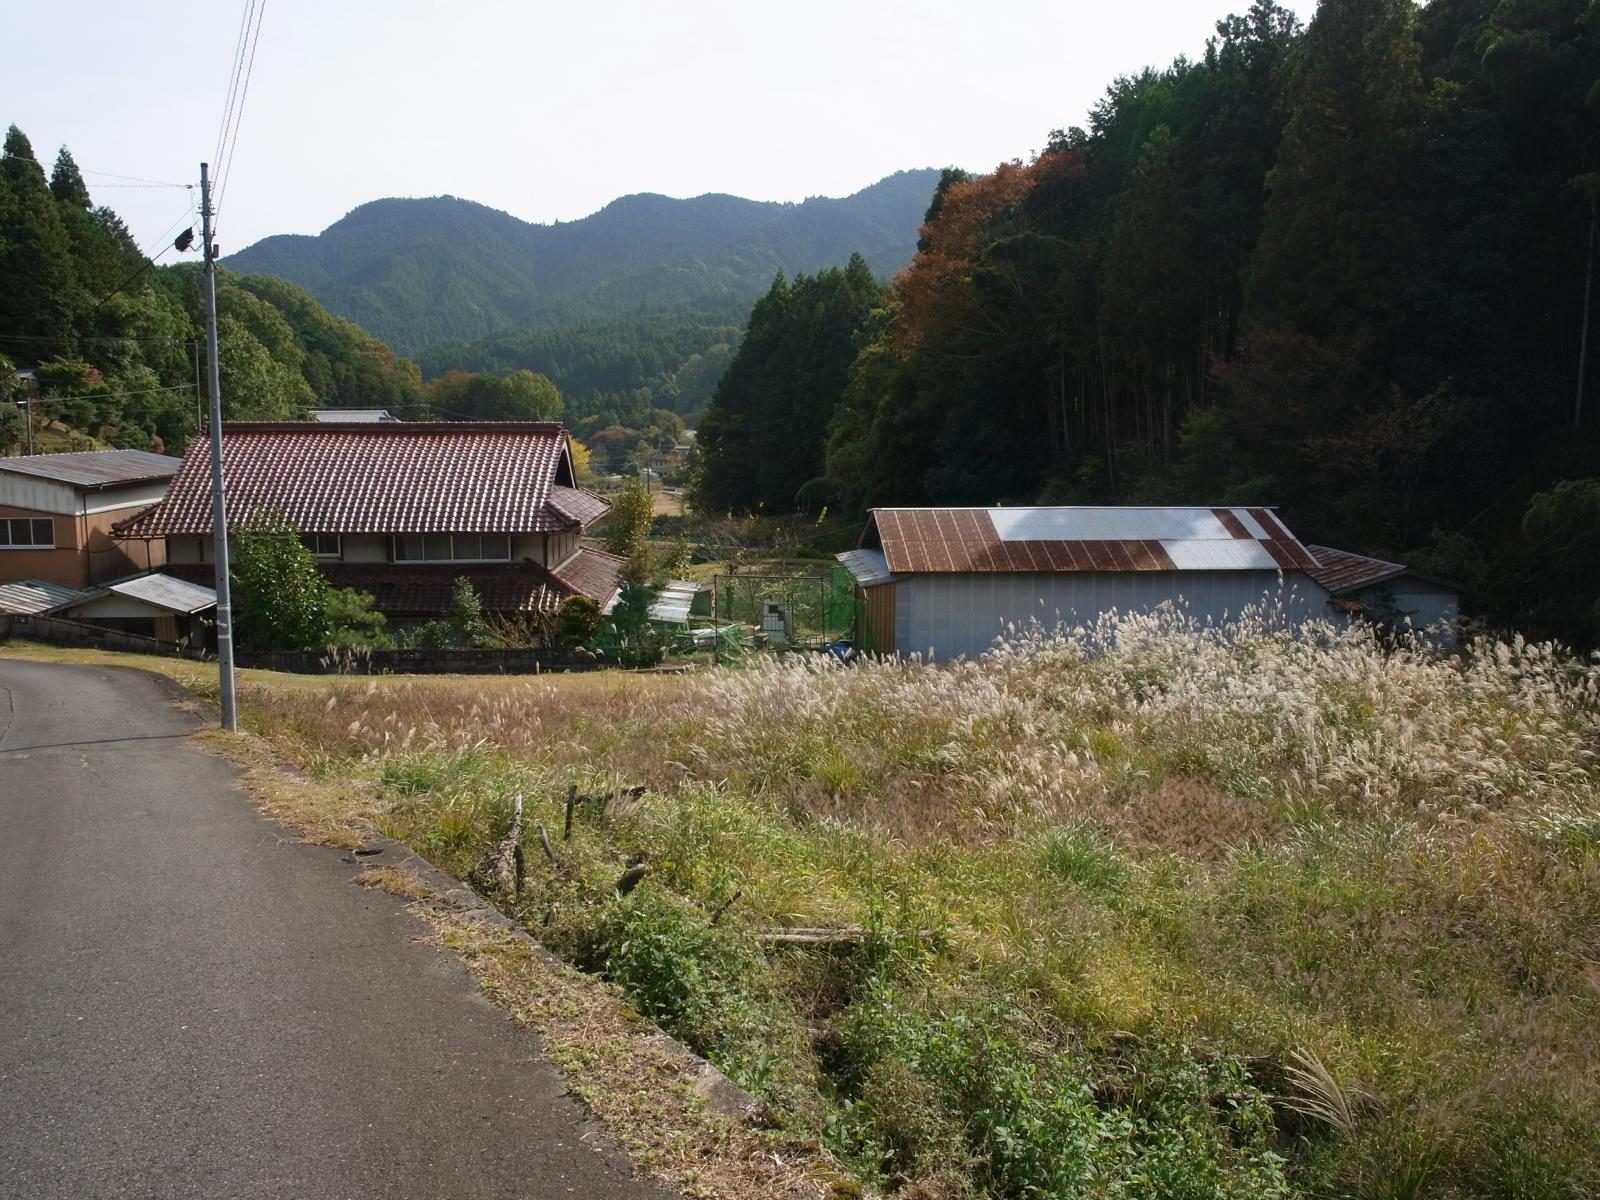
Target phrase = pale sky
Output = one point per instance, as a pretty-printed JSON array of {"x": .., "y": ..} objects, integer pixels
[{"x": 551, "y": 111}]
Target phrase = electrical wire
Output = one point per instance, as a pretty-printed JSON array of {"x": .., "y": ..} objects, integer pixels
[
  {"x": 40, "y": 337},
  {"x": 260, "y": 7},
  {"x": 182, "y": 387},
  {"x": 233, "y": 82},
  {"x": 135, "y": 180}
]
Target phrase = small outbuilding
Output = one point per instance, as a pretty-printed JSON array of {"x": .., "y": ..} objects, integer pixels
[
  {"x": 1360, "y": 588},
  {"x": 946, "y": 582},
  {"x": 155, "y": 605}
]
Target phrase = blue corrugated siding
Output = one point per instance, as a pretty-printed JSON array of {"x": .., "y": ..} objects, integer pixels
[{"x": 948, "y": 616}]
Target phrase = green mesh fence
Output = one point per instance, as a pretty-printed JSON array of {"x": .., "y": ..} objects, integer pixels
[{"x": 819, "y": 608}]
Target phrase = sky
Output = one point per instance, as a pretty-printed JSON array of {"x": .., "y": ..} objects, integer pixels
[{"x": 551, "y": 111}]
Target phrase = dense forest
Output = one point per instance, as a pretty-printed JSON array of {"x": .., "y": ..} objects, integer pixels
[
  {"x": 1344, "y": 269},
  {"x": 117, "y": 343}
]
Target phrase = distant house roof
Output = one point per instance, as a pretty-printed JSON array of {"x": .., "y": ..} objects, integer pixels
[
  {"x": 1340, "y": 571},
  {"x": 382, "y": 477},
  {"x": 673, "y": 603},
  {"x": 91, "y": 470},
  {"x": 347, "y": 415},
  {"x": 34, "y": 596},
  {"x": 994, "y": 540}
]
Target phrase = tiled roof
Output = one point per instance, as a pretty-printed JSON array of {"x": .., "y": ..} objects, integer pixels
[
  {"x": 386, "y": 477},
  {"x": 1341, "y": 571},
  {"x": 594, "y": 573},
  {"x": 1048, "y": 540},
  {"x": 583, "y": 508},
  {"x": 94, "y": 468}
]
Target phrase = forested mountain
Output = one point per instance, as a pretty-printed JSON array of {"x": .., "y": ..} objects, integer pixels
[
  {"x": 1342, "y": 269},
  {"x": 114, "y": 340},
  {"x": 422, "y": 273}
]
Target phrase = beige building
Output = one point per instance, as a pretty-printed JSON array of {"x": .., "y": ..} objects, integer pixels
[{"x": 57, "y": 510}]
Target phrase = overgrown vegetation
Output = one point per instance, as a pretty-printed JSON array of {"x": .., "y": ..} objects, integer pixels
[
  {"x": 1147, "y": 909},
  {"x": 1342, "y": 269}
]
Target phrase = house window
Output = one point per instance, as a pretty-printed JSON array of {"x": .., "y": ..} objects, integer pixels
[
  {"x": 322, "y": 545},
  {"x": 27, "y": 533},
  {"x": 452, "y": 547}
]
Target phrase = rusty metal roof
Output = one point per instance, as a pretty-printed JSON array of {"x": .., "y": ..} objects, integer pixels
[
  {"x": 26, "y": 596},
  {"x": 993, "y": 540},
  {"x": 1341, "y": 571},
  {"x": 386, "y": 477},
  {"x": 94, "y": 469}
]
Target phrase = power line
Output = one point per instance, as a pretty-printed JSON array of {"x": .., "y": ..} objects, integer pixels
[
  {"x": 135, "y": 180},
  {"x": 233, "y": 81},
  {"x": 238, "y": 116},
  {"x": 104, "y": 396},
  {"x": 39, "y": 337}
]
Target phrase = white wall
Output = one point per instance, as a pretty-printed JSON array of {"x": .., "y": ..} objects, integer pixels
[
  {"x": 41, "y": 495},
  {"x": 948, "y": 616},
  {"x": 136, "y": 495},
  {"x": 113, "y": 605}
]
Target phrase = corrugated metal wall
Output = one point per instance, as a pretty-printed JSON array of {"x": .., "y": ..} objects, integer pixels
[
  {"x": 953, "y": 615},
  {"x": 877, "y": 614}
]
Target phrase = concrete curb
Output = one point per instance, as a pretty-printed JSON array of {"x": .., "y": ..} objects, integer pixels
[{"x": 723, "y": 1097}]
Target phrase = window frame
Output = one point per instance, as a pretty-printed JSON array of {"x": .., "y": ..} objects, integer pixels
[
  {"x": 397, "y": 546},
  {"x": 32, "y": 524},
  {"x": 311, "y": 541}
]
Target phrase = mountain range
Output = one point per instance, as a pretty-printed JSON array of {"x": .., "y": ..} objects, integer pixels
[{"x": 426, "y": 273}]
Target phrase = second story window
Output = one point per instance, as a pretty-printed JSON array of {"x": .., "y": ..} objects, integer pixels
[
  {"x": 27, "y": 533},
  {"x": 322, "y": 545},
  {"x": 452, "y": 547}
]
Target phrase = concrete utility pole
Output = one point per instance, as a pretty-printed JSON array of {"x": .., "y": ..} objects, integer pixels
[{"x": 219, "y": 504}]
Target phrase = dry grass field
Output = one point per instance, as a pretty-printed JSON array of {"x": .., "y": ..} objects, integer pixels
[{"x": 1143, "y": 910}]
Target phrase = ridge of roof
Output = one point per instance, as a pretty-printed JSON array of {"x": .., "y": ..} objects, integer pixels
[
  {"x": 392, "y": 428},
  {"x": 94, "y": 469}
]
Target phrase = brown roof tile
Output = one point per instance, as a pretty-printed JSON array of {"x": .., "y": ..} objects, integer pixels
[
  {"x": 594, "y": 573},
  {"x": 400, "y": 477}
]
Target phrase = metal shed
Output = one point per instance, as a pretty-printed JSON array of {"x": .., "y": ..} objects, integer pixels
[{"x": 945, "y": 582}]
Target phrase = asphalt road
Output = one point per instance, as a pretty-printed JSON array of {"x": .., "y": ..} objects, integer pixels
[{"x": 194, "y": 1005}]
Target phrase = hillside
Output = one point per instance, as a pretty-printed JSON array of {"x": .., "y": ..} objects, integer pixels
[
  {"x": 113, "y": 339},
  {"x": 419, "y": 273}
]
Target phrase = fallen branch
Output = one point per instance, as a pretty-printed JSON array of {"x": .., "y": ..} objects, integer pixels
[
  {"x": 716, "y": 917},
  {"x": 549, "y": 850},
  {"x": 841, "y": 935}
]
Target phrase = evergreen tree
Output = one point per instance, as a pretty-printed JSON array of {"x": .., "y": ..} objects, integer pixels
[
  {"x": 1336, "y": 242},
  {"x": 66, "y": 183},
  {"x": 763, "y": 440},
  {"x": 40, "y": 296}
]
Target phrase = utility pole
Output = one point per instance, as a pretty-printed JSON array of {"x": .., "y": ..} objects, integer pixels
[
  {"x": 219, "y": 505},
  {"x": 27, "y": 421}
]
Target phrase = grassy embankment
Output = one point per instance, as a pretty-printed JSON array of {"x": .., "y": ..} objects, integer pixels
[{"x": 1194, "y": 916}]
